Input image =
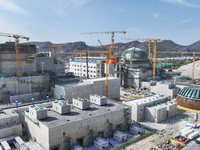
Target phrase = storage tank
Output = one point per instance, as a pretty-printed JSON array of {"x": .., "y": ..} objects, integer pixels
[
  {"x": 100, "y": 144},
  {"x": 193, "y": 135}
]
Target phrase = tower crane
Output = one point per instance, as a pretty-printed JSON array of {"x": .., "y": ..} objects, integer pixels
[
  {"x": 106, "y": 61},
  {"x": 193, "y": 64},
  {"x": 154, "y": 51},
  {"x": 112, "y": 41},
  {"x": 54, "y": 50},
  {"x": 16, "y": 36}
]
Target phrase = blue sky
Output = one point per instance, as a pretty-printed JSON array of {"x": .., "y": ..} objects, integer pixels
[{"x": 62, "y": 21}]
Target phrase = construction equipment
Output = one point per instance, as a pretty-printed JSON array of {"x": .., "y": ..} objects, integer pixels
[
  {"x": 150, "y": 40},
  {"x": 112, "y": 60},
  {"x": 16, "y": 36},
  {"x": 154, "y": 51},
  {"x": 96, "y": 52},
  {"x": 54, "y": 50},
  {"x": 112, "y": 40},
  {"x": 194, "y": 53}
]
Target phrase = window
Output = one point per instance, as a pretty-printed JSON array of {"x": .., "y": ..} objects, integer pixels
[{"x": 94, "y": 71}]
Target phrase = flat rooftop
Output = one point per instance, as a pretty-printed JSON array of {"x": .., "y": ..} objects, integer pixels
[
  {"x": 86, "y": 82},
  {"x": 143, "y": 100},
  {"x": 55, "y": 119},
  {"x": 8, "y": 113}
]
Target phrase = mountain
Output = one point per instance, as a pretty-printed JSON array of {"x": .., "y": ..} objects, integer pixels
[{"x": 161, "y": 46}]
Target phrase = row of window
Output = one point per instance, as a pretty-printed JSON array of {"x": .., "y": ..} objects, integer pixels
[
  {"x": 92, "y": 76},
  {"x": 85, "y": 71},
  {"x": 83, "y": 66}
]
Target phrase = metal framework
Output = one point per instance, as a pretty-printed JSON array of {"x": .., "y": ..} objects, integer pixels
[
  {"x": 112, "y": 38},
  {"x": 154, "y": 50},
  {"x": 54, "y": 50},
  {"x": 16, "y": 36}
]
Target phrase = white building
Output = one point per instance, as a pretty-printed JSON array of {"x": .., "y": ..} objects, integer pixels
[{"x": 95, "y": 67}]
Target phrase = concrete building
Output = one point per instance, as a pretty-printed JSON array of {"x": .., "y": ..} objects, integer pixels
[
  {"x": 160, "y": 112},
  {"x": 189, "y": 97},
  {"x": 9, "y": 124},
  {"x": 61, "y": 107},
  {"x": 30, "y": 62},
  {"x": 137, "y": 67},
  {"x": 89, "y": 87},
  {"x": 140, "y": 112},
  {"x": 165, "y": 88},
  {"x": 94, "y": 66},
  {"x": 32, "y": 83},
  {"x": 62, "y": 131}
]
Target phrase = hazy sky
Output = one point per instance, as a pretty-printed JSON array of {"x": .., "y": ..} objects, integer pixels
[{"x": 61, "y": 21}]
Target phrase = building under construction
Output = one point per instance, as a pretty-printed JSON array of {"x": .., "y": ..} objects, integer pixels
[{"x": 35, "y": 68}]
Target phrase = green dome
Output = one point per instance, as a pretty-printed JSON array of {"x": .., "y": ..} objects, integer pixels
[
  {"x": 134, "y": 53},
  {"x": 190, "y": 93}
]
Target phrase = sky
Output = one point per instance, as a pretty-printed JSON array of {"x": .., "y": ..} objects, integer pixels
[{"x": 63, "y": 21}]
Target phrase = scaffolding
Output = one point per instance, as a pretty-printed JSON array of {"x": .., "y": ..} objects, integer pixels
[
  {"x": 110, "y": 129},
  {"x": 127, "y": 113},
  {"x": 67, "y": 141},
  {"x": 91, "y": 135}
]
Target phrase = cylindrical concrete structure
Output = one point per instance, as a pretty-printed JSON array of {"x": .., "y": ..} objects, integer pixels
[{"x": 189, "y": 97}]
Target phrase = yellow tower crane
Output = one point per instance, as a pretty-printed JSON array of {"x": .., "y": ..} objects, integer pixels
[
  {"x": 16, "y": 36},
  {"x": 54, "y": 50},
  {"x": 154, "y": 51},
  {"x": 194, "y": 53},
  {"x": 112, "y": 39},
  {"x": 106, "y": 61}
]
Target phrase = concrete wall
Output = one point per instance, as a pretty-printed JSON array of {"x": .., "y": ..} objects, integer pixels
[
  {"x": 8, "y": 64},
  {"x": 89, "y": 87},
  {"x": 145, "y": 84},
  {"x": 79, "y": 129},
  {"x": 165, "y": 89},
  {"x": 156, "y": 113},
  {"x": 11, "y": 130},
  {"x": 24, "y": 85},
  {"x": 39, "y": 132},
  {"x": 24, "y": 97}
]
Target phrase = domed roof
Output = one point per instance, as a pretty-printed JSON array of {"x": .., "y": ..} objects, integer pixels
[
  {"x": 134, "y": 53},
  {"x": 190, "y": 92}
]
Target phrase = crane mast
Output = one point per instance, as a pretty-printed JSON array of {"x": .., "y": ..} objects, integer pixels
[
  {"x": 154, "y": 50},
  {"x": 106, "y": 62},
  {"x": 16, "y": 36},
  {"x": 112, "y": 38},
  {"x": 54, "y": 50}
]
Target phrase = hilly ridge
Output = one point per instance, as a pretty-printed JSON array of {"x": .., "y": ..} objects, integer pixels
[{"x": 161, "y": 46}]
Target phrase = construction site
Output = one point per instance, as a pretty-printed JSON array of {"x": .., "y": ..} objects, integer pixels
[{"x": 103, "y": 102}]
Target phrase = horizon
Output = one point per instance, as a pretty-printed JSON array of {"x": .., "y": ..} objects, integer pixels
[{"x": 63, "y": 21}]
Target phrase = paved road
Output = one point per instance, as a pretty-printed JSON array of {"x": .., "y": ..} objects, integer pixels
[{"x": 191, "y": 146}]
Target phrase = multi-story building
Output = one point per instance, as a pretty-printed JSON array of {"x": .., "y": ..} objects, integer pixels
[{"x": 92, "y": 68}]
